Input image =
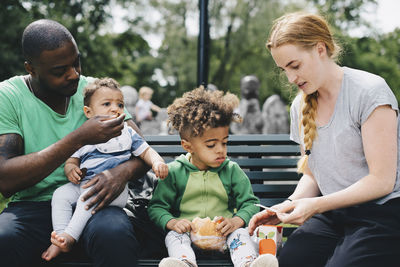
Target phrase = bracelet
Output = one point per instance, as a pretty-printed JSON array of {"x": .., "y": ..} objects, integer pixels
[{"x": 288, "y": 199}]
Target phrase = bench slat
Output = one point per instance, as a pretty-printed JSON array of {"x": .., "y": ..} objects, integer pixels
[
  {"x": 245, "y": 139},
  {"x": 266, "y": 162},
  {"x": 245, "y": 163},
  {"x": 234, "y": 151},
  {"x": 268, "y": 189},
  {"x": 273, "y": 175}
]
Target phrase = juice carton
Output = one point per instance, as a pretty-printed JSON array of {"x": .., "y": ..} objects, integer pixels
[{"x": 269, "y": 238}]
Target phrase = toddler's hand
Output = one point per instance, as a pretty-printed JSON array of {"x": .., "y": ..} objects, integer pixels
[
  {"x": 180, "y": 226},
  {"x": 228, "y": 225},
  {"x": 75, "y": 175},
  {"x": 160, "y": 169}
]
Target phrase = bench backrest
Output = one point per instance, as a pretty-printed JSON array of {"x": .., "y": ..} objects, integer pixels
[{"x": 268, "y": 160}]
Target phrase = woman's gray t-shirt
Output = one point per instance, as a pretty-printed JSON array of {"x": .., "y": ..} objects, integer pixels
[{"x": 337, "y": 158}]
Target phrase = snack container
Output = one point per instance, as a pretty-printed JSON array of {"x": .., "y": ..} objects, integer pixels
[{"x": 269, "y": 238}]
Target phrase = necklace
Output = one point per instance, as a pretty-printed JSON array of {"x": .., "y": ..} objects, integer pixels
[{"x": 30, "y": 87}]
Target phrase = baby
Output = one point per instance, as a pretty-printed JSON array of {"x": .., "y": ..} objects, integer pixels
[{"x": 103, "y": 97}]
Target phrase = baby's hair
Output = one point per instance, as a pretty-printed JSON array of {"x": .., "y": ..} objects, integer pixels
[
  {"x": 145, "y": 90},
  {"x": 304, "y": 30},
  {"x": 91, "y": 88},
  {"x": 198, "y": 110}
]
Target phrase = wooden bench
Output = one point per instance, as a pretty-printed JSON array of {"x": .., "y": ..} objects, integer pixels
[{"x": 268, "y": 160}]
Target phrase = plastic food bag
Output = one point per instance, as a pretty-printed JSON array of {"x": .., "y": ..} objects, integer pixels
[{"x": 206, "y": 236}]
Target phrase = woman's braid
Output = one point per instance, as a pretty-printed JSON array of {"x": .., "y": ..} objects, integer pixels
[{"x": 309, "y": 112}]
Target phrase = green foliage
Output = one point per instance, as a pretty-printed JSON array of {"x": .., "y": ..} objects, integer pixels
[
  {"x": 379, "y": 55},
  {"x": 125, "y": 57},
  {"x": 239, "y": 29},
  {"x": 3, "y": 202},
  {"x": 344, "y": 14},
  {"x": 14, "y": 17}
]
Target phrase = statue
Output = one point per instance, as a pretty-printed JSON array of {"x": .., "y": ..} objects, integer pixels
[
  {"x": 212, "y": 87},
  {"x": 157, "y": 126},
  {"x": 130, "y": 99},
  {"x": 275, "y": 116},
  {"x": 249, "y": 107}
]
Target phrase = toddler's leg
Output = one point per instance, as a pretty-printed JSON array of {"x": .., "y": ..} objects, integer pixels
[
  {"x": 242, "y": 249},
  {"x": 179, "y": 247}
]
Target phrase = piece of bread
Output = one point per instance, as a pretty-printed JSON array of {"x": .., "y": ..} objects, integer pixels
[{"x": 206, "y": 236}]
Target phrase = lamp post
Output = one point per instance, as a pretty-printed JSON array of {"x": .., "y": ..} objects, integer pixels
[{"x": 203, "y": 45}]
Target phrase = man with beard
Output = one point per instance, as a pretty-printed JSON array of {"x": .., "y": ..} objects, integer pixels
[{"x": 42, "y": 125}]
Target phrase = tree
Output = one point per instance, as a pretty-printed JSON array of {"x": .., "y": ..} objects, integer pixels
[{"x": 125, "y": 57}]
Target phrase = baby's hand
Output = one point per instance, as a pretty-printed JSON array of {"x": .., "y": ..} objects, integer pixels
[
  {"x": 180, "y": 225},
  {"x": 160, "y": 169},
  {"x": 75, "y": 175}
]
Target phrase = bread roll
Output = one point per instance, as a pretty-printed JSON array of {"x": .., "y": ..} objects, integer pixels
[{"x": 206, "y": 236}]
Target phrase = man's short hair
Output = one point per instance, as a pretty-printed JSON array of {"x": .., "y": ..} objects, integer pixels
[{"x": 43, "y": 35}]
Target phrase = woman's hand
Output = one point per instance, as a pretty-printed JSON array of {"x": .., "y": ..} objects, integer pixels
[
  {"x": 298, "y": 211},
  {"x": 263, "y": 217},
  {"x": 268, "y": 216}
]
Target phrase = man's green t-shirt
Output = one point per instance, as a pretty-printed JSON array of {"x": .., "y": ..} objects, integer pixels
[{"x": 39, "y": 126}]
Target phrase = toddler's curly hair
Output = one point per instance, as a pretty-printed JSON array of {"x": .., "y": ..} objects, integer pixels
[{"x": 198, "y": 110}]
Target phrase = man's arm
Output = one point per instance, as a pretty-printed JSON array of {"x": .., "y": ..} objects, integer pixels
[{"x": 19, "y": 171}]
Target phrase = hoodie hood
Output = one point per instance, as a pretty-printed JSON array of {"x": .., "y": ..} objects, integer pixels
[{"x": 185, "y": 160}]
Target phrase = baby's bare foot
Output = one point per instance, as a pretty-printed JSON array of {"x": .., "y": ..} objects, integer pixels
[
  {"x": 51, "y": 252},
  {"x": 64, "y": 241}
]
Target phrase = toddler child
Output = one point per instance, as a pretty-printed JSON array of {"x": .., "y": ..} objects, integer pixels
[
  {"x": 144, "y": 106},
  {"x": 205, "y": 183},
  {"x": 102, "y": 97}
]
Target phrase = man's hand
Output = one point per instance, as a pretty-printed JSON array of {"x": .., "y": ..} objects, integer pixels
[
  {"x": 180, "y": 226},
  {"x": 228, "y": 225},
  {"x": 106, "y": 187},
  {"x": 100, "y": 129},
  {"x": 160, "y": 169}
]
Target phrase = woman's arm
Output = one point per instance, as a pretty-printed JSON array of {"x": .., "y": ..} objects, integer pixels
[
  {"x": 307, "y": 186},
  {"x": 379, "y": 137},
  {"x": 379, "y": 134}
]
